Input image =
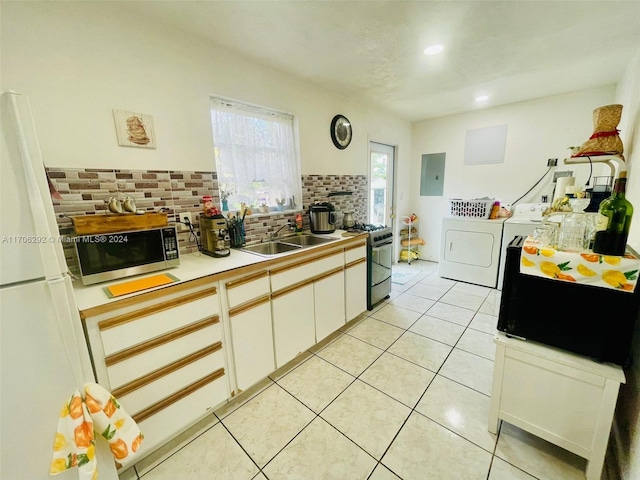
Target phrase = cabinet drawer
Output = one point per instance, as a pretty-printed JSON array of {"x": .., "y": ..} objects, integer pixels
[
  {"x": 247, "y": 288},
  {"x": 355, "y": 253},
  {"x": 149, "y": 356},
  {"x": 167, "y": 422},
  {"x": 146, "y": 395},
  {"x": 119, "y": 333},
  {"x": 283, "y": 277}
]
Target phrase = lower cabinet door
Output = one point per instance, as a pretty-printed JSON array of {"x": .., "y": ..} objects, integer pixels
[
  {"x": 252, "y": 337},
  {"x": 329, "y": 304},
  {"x": 293, "y": 325},
  {"x": 168, "y": 421},
  {"x": 355, "y": 278}
]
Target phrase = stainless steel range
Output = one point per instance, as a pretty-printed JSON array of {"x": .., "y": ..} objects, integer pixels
[{"x": 379, "y": 252}]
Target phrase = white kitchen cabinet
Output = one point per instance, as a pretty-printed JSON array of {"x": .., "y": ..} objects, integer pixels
[
  {"x": 564, "y": 398},
  {"x": 159, "y": 351},
  {"x": 324, "y": 301},
  {"x": 329, "y": 303},
  {"x": 293, "y": 321},
  {"x": 355, "y": 281},
  {"x": 174, "y": 354},
  {"x": 249, "y": 303},
  {"x": 252, "y": 337}
]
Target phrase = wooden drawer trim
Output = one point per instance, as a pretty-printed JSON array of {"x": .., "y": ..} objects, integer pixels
[
  {"x": 333, "y": 247},
  {"x": 291, "y": 288},
  {"x": 303, "y": 262},
  {"x": 144, "y": 297},
  {"x": 353, "y": 247},
  {"x": 249, "y": 305},
  {"x": 247, "y": 279},
  {"x": 171, "y": 399},
  {"x": 145, "y": 312},
  {"x": 161, "y": 340},
  {"x": 355, "y": 262},
  {"x": 328, "y": 274},
  {"x": 166, "y": 370}
]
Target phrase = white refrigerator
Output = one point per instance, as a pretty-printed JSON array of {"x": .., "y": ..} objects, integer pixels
[{"x": 43, "y": 354}]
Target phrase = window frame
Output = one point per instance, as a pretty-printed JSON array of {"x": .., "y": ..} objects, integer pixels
[{"x": 293, "y": 164}]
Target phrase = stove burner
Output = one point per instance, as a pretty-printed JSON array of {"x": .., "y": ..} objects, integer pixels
[
  {"x": 367, "y": 227},
  {"x": 378, "y": 234}
]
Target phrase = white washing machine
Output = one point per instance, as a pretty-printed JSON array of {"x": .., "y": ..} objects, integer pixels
[
  {"x": 523, "y": 221},
  {"x": 470, "y": 250}
]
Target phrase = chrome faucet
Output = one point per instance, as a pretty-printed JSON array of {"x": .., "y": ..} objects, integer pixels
[{"x": 274, "y": 235}]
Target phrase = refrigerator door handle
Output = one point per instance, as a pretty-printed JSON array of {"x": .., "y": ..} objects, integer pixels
[
  {"x": 47, "y": 249},
  {"x": 67, "y": 318}
]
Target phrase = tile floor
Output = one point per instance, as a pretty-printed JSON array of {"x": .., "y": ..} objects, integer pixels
[{"x": 402, "y": 392}]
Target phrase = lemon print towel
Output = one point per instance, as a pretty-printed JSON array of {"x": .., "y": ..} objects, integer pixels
[
  {"x": 620, "y": 273},
  {"x": 83, "y": 418}
]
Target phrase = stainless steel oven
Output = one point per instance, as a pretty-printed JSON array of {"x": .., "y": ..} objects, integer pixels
[{"x": 379, "y": 260}]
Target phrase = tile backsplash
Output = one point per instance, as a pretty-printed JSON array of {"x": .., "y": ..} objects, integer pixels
[
  {"x": 332, "y": 189},
  {"x": 84, "y": 192}
]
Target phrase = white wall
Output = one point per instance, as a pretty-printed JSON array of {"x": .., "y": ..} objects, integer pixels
[
  {"x": 79, "y": 60},
  {"x": 628, "y": 94},
  {"x": 536, "y": 130},
  {"x": 627, "y": 431}
]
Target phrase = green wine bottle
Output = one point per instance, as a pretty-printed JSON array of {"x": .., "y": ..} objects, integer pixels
[{"x": 615, "y": 221}]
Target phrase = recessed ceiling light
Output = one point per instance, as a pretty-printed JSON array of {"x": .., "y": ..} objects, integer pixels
[
  {"x": 433, "y": 50},
  {"x": 482, "y": 98}
]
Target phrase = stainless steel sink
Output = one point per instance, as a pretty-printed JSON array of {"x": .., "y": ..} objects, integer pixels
[
  {"x": 287, "y": 244},
  {"x": 270, "y": 248},
  {"x": 307, "y": 240}
]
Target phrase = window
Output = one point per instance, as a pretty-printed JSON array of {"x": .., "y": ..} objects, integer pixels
[{"x": 255, "y": 154}]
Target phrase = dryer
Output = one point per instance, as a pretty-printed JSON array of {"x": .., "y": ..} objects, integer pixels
[
  {"x": 470, "y": 250},
  {"x": 523, "y": 221}
]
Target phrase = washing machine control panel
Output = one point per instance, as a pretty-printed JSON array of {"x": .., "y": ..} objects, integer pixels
[{"x": 529, "y": 210}]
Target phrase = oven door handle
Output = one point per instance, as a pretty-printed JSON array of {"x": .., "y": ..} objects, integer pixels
[{"x": 379, "y": 247}]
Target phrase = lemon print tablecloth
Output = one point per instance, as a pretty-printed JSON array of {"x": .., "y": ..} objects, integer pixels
[{"x": 620, "y": 273}]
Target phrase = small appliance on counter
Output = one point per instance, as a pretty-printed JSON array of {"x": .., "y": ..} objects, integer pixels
[
  {"x": 215, "y": 236},
  {"x": 116, "y": 255},
  {"x": 348, "y": 221},
  {"x": 322, "y": 218}
]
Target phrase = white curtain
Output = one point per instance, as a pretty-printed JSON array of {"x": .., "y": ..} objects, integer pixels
[{"x": 255, "y": 154}]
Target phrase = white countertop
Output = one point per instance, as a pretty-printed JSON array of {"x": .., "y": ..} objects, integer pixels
[{"x": 192, "y": 266}]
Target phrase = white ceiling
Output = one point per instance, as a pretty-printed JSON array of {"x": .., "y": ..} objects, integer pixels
[{"x": 372, "y": 51}]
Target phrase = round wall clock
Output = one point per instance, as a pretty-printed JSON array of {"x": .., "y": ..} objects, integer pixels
[{"x": 341, "y": 131}]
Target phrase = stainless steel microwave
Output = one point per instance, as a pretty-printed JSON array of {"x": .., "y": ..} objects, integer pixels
[{"x": 117, "y": 255}]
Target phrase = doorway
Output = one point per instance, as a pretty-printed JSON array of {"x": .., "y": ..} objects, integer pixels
[{"x": 381, "y": 172}]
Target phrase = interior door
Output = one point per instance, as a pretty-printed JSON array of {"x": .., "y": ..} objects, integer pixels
[{"x": 381, "y": 170}]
